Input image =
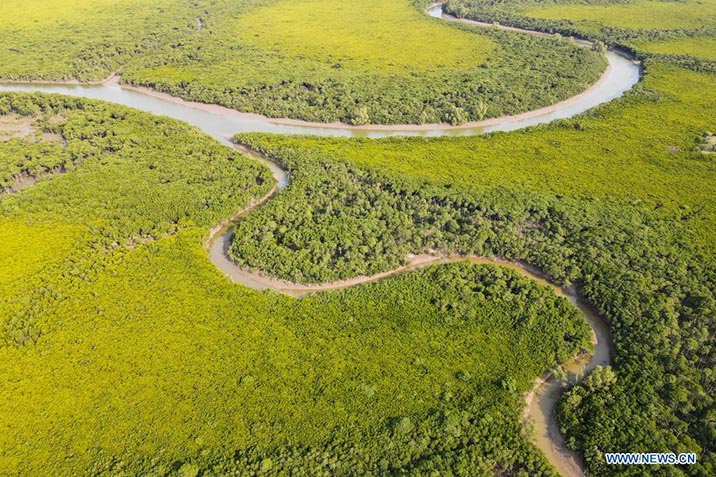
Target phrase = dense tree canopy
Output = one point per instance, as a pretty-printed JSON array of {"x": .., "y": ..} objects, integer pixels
[{"x": 629, "y": 220}]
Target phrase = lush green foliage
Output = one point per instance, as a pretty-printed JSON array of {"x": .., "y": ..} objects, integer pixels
[
  {"x": 159, "y": 183},
  {"x": 124, "y": 350},
  {"x": 196, "y": 182},
  {"x": 370, "y": 35},
  {"x": 337, "y": 221},
  {"x": 618, "y": 201},
  {"x": 644, "y": 149},
  {"x": 674, "y": 30},
  {"x": 280, "y": 87},
  {"x": 632, "y": 15},
  {"x": 86, "y": 39},
  {"x": 27, "y": 159},
  {"x": 358, "y": 62},
  {"x": 701, "y": 47}
]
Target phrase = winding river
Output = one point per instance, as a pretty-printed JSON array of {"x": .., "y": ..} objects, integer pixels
[{"x": 221, "y": 123}]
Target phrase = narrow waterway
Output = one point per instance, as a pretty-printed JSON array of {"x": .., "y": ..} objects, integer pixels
[
  {"x": 221, "y": 123},
  {"x": 541, "y": 400}
]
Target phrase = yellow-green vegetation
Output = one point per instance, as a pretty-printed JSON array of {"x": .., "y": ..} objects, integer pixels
[
  {"x": 640, "y": 14},
  {"x": 39, "y": 13},
  {"x": 700, "y": 47},
  {"x": 321, "y": 60},
  {"x": 124, "y": 351},
  {"x": 618, "y": 201},
  {"x": 372, "y": 34},
  {"x": 18, "y": 265},
  {"x": 679, "y": 32},
  {"x": 81, "y": 39}
]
